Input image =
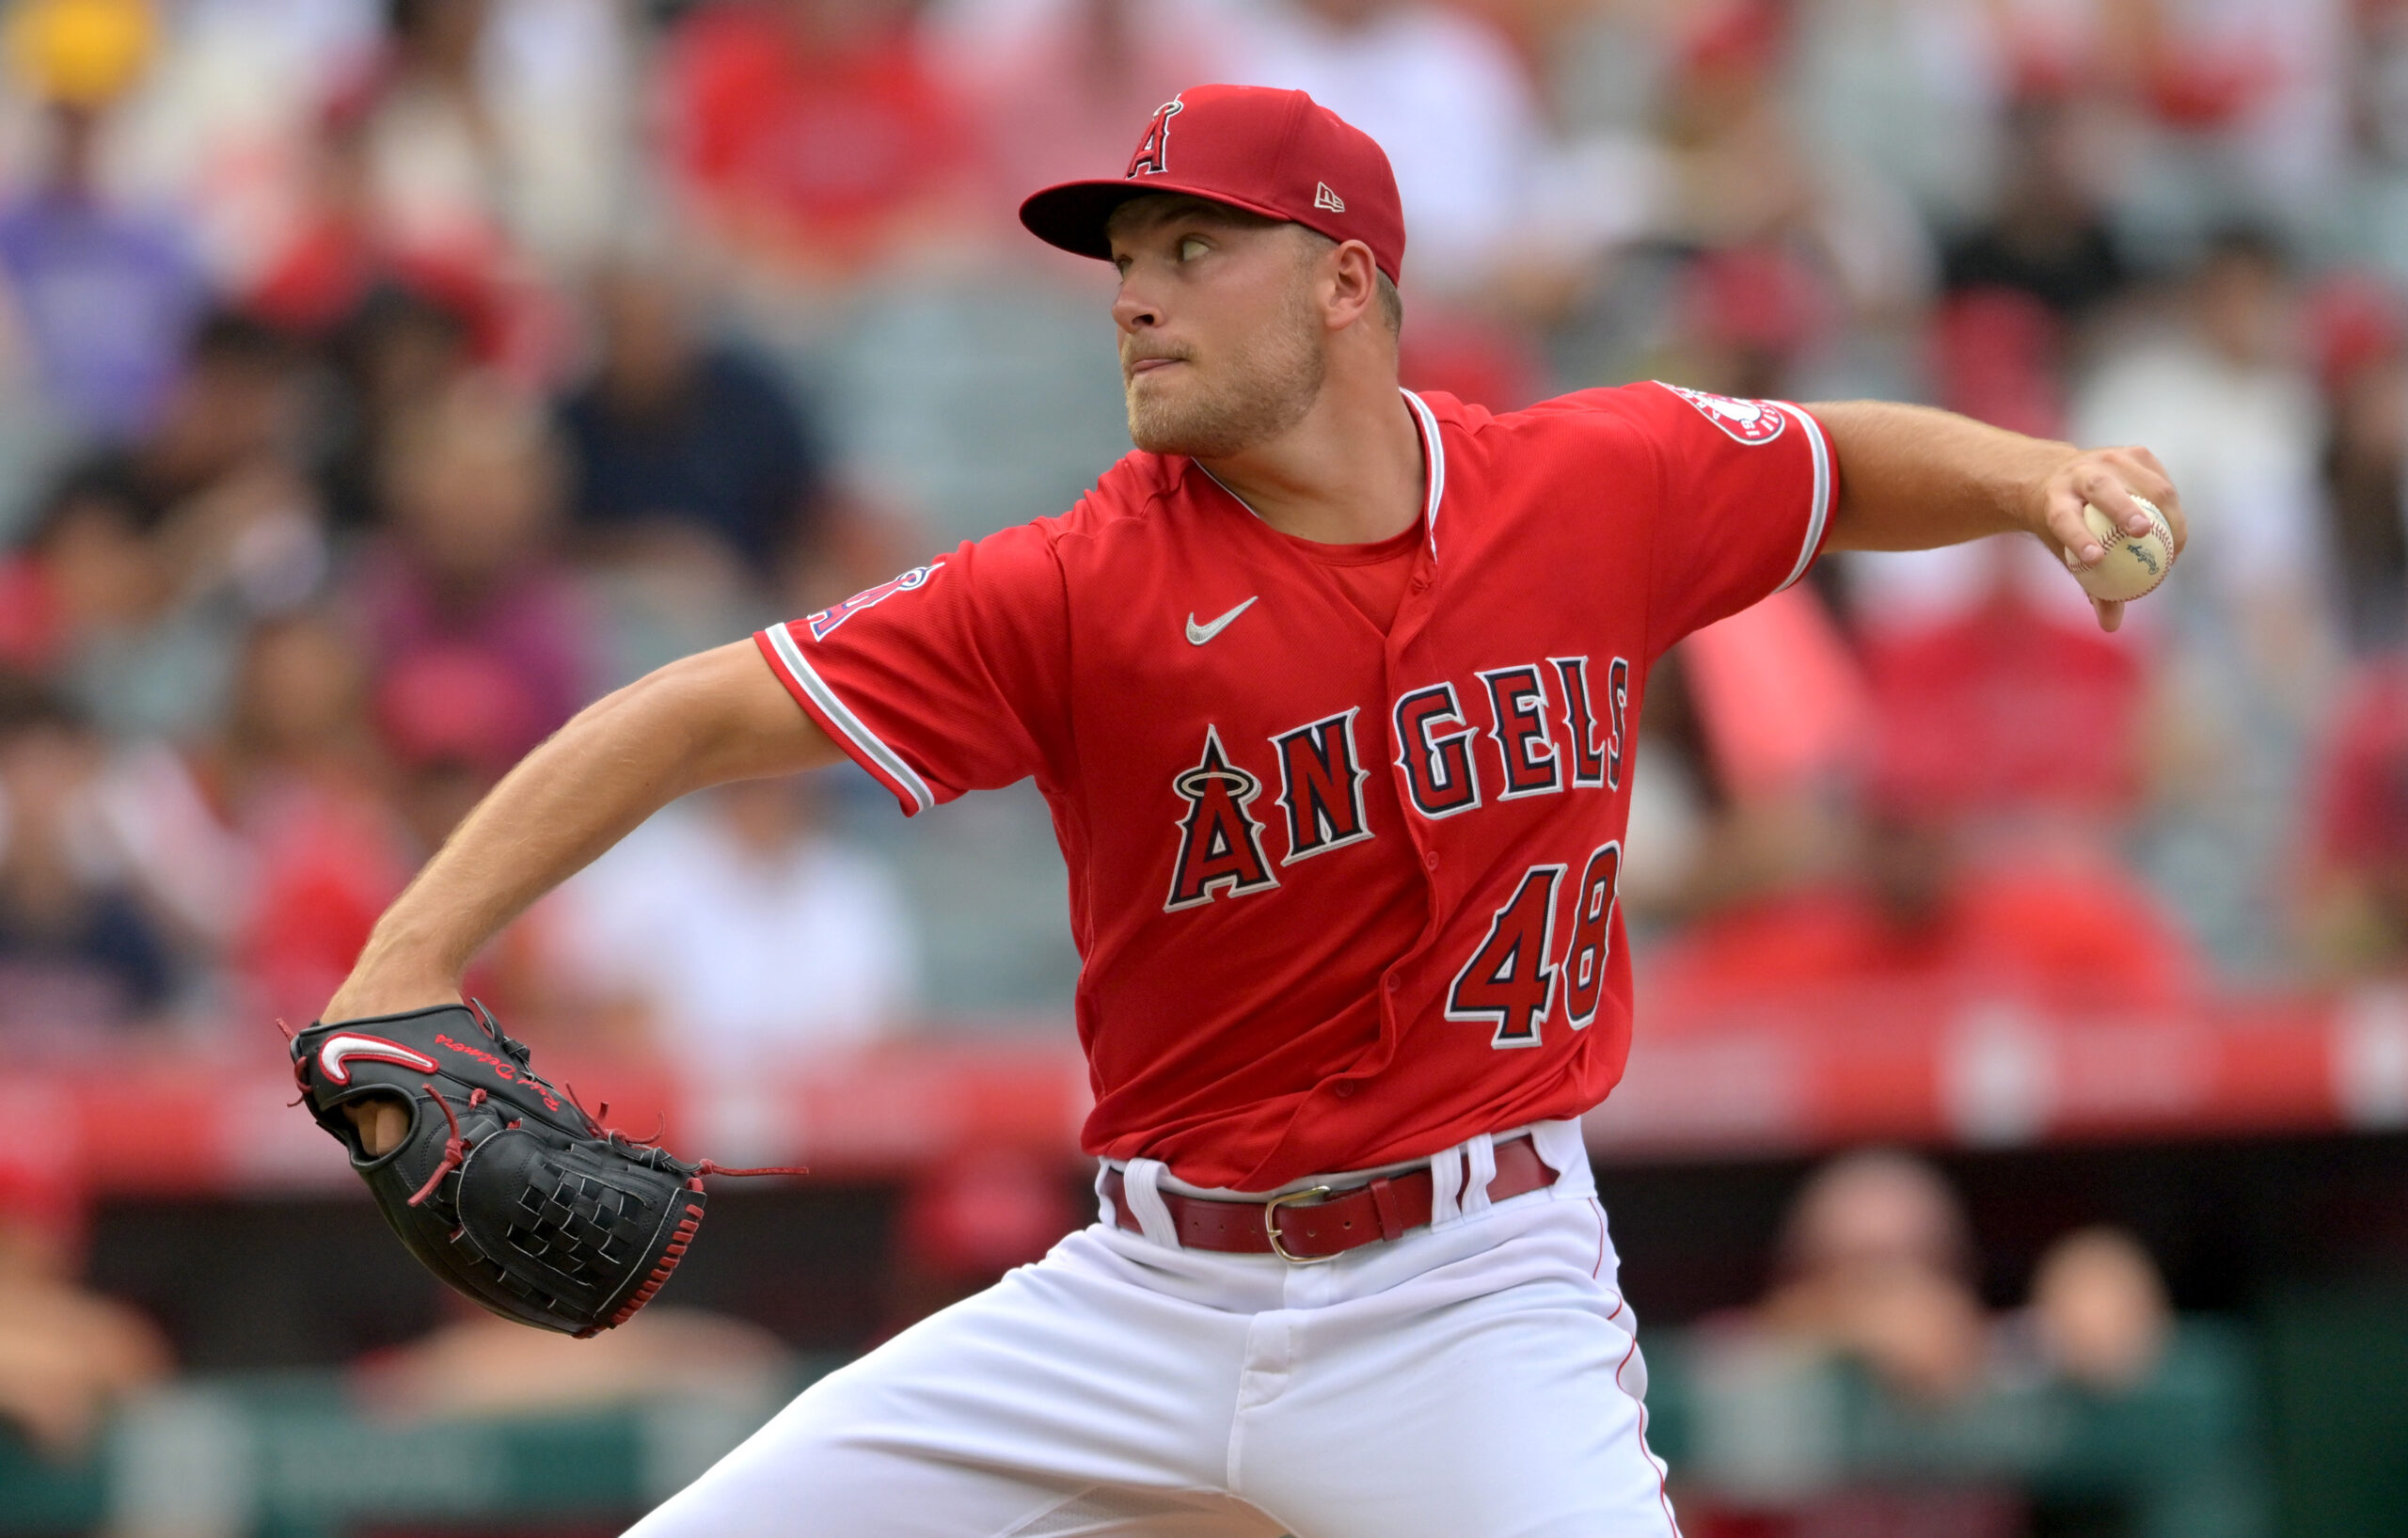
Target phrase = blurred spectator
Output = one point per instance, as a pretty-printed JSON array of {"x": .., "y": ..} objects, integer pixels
[
  {"x": 67, "y": 1356},
  {"x": 77, "y": 948},
  {"x": 739, "y": 927},
  {"x": 812, "y": 135},
  {"x": 105, "y": 295},
  {"x": 2365, "y": 481},
  {"x": 470, "y": 567},
  {"x": 300, "y": 785},
  {"x": 491, "y": 125},
  {"x": 677, "y": 435},
  {"x": 1746, "y": 179},
  {"x": 1917, "y": 921},
  {"x": 2223, "y": 398},
  {"x": 1062, "y": 87},
  {"x": 2009, "y": 705},
  {"x": 2358, "y": 329},
  {"x": 481, "y": 1364},
  {"x": 394, "y": 356},
  {"x": 2356, "y": 907},
  {"x": 2049, "y": 236},
  {"x": 149, "y": 561},
  {"x": 2241, "y": 106},
  {"x": 1445, "y": 97},
  {"x": 2098, "y": 1310},
  {"x": 1875, "y": 1265}
]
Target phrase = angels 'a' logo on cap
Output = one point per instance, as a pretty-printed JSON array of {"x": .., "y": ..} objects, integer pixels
[
  {"x": 1750, "y": 421},
  {"x": 1153, "y": 152}
]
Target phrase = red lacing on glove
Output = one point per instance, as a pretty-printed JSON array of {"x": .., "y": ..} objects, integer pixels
[{"x": 455, "y": 1147}]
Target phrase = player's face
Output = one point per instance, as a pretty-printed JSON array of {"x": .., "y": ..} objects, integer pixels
[{"x": 1221, "y": 346}]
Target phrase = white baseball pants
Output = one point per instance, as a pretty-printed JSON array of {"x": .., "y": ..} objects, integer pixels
[{"x": 1479, "y": 1378}]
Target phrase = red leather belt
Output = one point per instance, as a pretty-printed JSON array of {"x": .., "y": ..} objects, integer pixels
[{"x": 1317, "y": 1224}]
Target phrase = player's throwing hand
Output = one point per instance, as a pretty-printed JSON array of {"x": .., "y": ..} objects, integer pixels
[{"x": 2109, "y": 479}]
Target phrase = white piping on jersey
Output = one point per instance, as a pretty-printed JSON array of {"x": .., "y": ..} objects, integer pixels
[
  {"x": 1819, "y": 513},
  {"x": 1433, "y": 458},
  {"x": 782, "y": 641}
]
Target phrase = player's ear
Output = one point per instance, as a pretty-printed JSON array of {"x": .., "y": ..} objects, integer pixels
[{"x": 1354, "y": 285}]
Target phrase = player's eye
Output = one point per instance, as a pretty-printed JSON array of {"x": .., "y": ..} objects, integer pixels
[{"x": 1192, "y": 247}]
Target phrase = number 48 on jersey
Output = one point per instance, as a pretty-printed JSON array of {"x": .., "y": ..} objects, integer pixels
[{"x": 1515, "y": 977}]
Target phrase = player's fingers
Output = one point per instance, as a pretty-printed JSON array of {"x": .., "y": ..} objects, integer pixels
[
  {"x": 2171, "y": 505},
  {"x": 2065, "y": 526},
  {"x": 2103, "y": 488},
  {"x": 2109, "y": 612},
  {"x": 383, "y": 1121}
]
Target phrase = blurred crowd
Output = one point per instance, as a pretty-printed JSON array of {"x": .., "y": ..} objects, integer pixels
[{"x": 380, "y": 380}]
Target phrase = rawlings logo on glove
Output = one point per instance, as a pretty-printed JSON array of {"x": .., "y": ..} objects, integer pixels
[{"x": 505, "y": 1187}]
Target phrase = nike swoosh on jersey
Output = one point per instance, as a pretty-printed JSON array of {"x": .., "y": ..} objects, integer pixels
[{"x": 1199, "y": 634}]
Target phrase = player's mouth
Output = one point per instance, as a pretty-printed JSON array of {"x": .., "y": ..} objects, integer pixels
[{"x": 1135, "y": 368}]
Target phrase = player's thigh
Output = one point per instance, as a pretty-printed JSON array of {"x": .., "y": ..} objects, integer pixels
[
  {"x": 1043, "y": 1400},
  {"x": 1514, "y": 1416},
  {"x": 836, "y": 1487}
]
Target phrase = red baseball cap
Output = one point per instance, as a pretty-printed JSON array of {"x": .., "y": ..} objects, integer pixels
[{"x": 1278, "y": 153}]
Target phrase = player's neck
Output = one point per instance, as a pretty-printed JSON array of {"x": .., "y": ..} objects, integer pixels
[{"x": 1349, "y": 474}]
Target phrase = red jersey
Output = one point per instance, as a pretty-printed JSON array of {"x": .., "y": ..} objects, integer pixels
[{"x": 1343, "y": 895}]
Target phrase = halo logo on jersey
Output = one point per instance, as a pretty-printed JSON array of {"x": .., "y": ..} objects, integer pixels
[
  {"x": 1750, "y": 421},
  {"x": 824, "y": 623},
  {"x": 1220, "y": 845},
  {"x": 1153, "y": 152}
]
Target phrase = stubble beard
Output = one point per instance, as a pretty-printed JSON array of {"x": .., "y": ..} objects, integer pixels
[{"x": 1266, "y": 387}]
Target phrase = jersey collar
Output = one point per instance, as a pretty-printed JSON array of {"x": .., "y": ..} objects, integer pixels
[
  {"x": 1433, "y": 460},
  {"x": 1434, "y": 465}
]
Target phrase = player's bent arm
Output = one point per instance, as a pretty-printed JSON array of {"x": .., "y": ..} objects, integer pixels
[
  {"x": 1912, "y": 478},
  {"x": 717, "y": 716}
]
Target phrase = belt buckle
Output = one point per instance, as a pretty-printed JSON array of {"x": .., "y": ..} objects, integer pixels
[{"x": 1271, "y": 1224}]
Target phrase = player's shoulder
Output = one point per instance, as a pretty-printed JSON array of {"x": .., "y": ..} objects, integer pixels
[
  {"x": 1642, "y": 417},
  {"x": 1622, "y": 419}
]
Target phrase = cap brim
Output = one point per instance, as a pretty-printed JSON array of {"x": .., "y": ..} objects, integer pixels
[{"x": 1072, "y": 214}]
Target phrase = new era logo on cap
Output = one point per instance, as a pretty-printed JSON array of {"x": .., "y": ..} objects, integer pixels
[{"x": 1252, "y": 148}]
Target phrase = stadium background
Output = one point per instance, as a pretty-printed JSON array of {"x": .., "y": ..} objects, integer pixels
[{"x": 381, "y": 381}]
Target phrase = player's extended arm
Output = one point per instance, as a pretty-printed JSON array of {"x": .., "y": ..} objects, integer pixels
[
  {"x": 1912, "y": 478},
  {"x": 717, "y": 716}
]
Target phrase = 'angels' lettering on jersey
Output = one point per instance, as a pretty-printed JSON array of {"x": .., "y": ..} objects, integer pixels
[
  {"x": 1320, "y": 789},
  {"x": 1343, "y": 887}
]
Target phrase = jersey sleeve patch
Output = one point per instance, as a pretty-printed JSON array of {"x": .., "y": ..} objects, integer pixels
[
  {"x": 824, "y": 624},
  {"x": 1747, "y": 422}
]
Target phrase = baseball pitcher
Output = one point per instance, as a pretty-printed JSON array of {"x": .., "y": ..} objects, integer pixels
[{"x": 1333, "y": 688}]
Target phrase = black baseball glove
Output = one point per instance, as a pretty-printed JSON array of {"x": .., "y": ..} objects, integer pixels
[{"x": 503, "y": 1185}]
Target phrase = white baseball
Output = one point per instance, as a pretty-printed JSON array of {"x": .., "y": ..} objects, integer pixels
[{"x": 2133, "y": 564}]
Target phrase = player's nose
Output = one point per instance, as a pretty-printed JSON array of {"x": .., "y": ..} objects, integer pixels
[{"x": 1132, "y": 310}]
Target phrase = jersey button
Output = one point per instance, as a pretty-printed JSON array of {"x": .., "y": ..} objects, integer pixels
[
  {"x": 1395, "y": 982},
  {"x": 1431, "y": 860},
  {"x": 1342, "y": 1089}
]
